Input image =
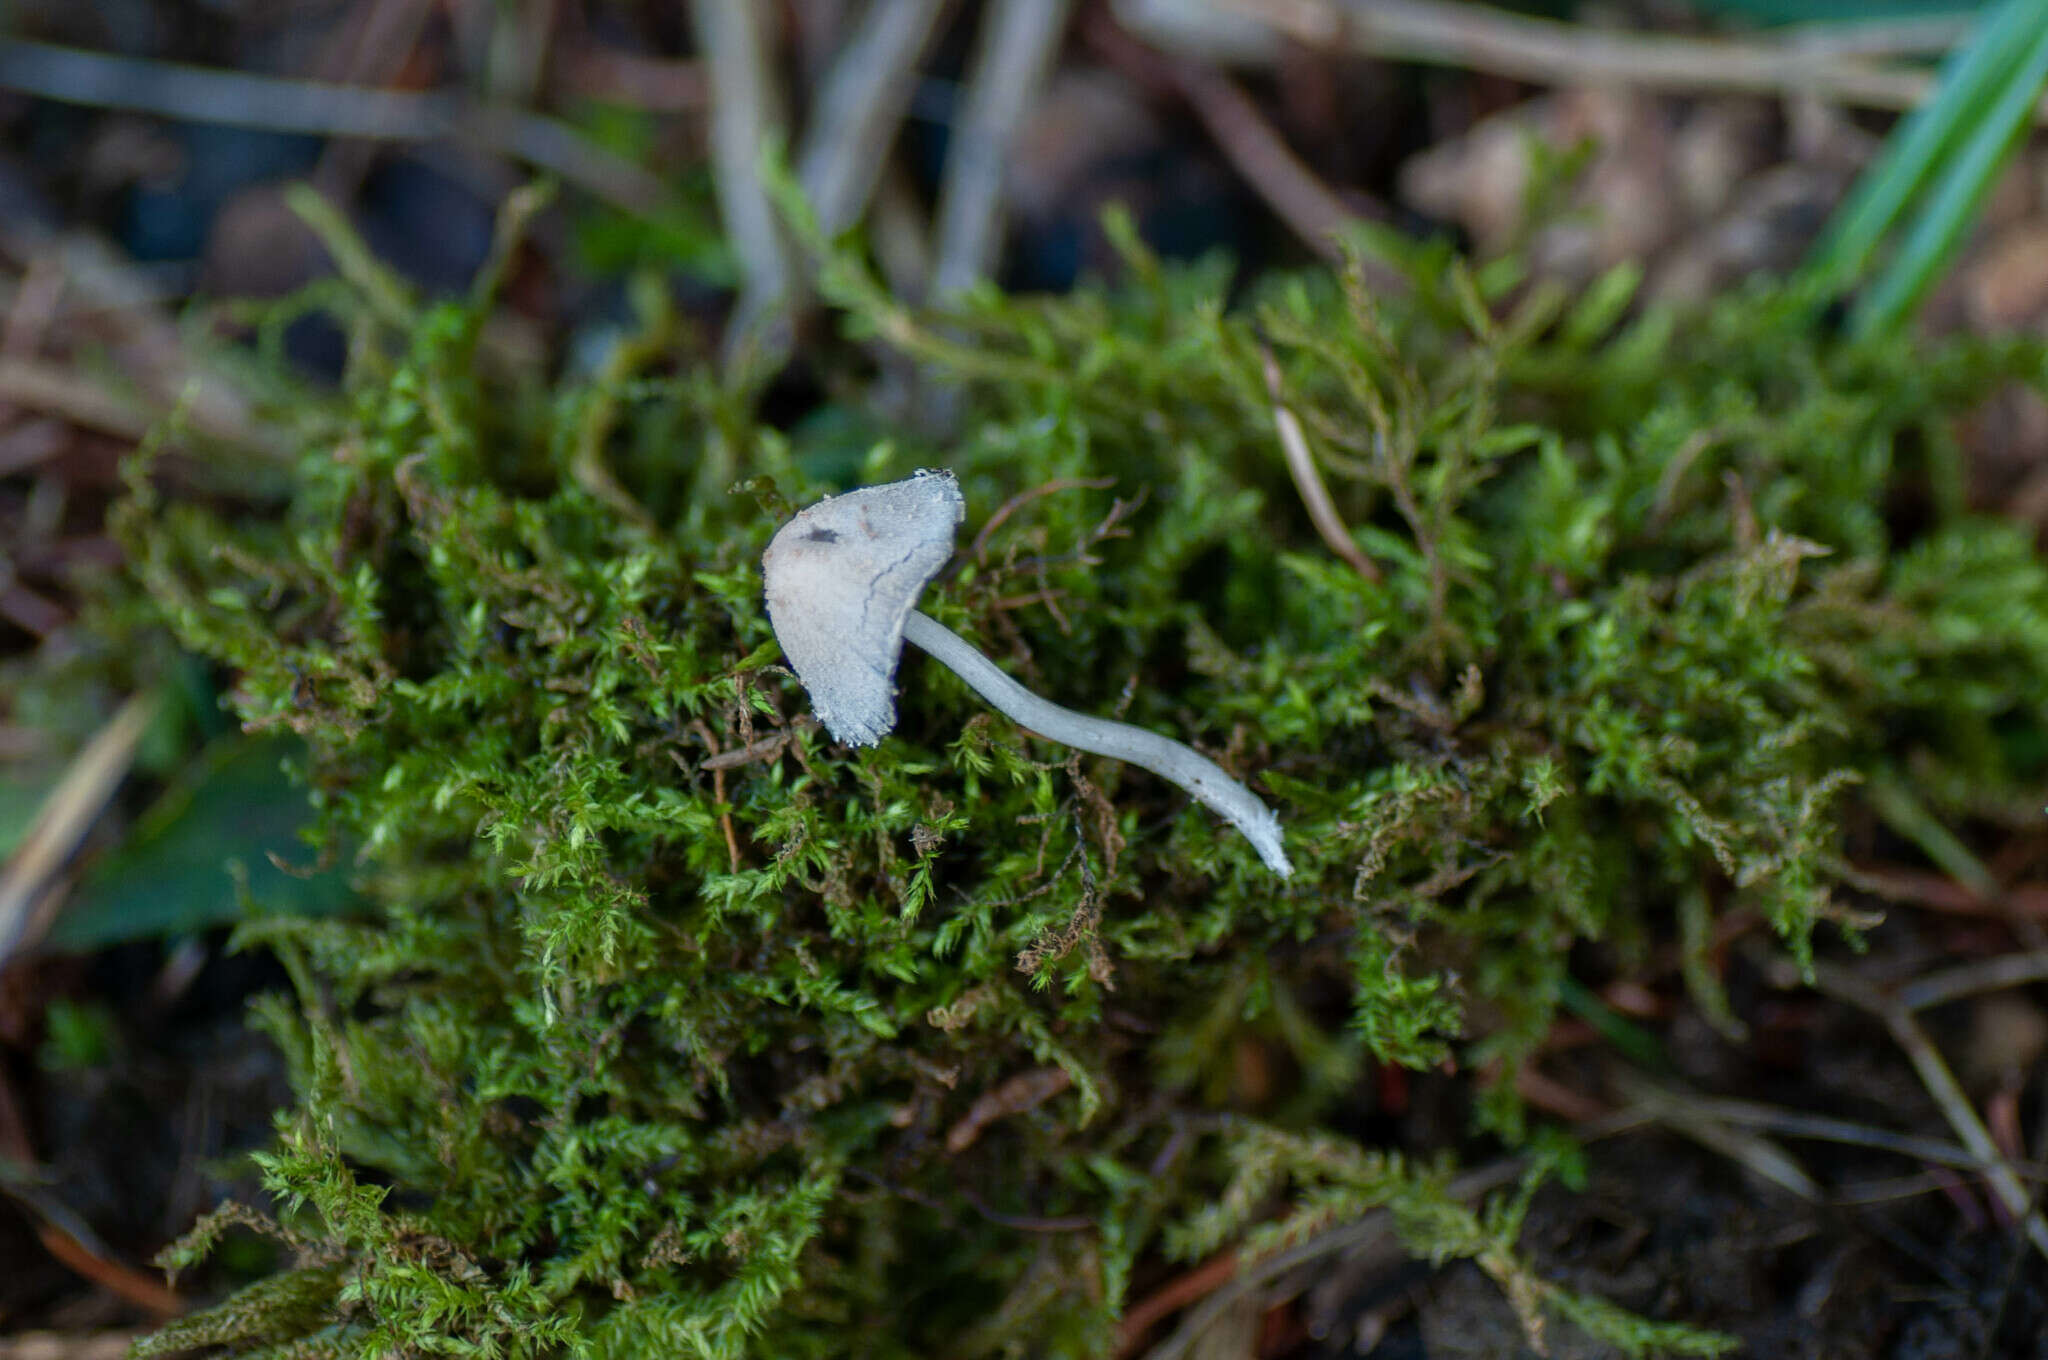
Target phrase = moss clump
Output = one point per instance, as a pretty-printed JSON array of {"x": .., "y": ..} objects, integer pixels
[{"x": 669, "y": 1030}]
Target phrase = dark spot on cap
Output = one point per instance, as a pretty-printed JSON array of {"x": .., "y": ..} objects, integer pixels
[{"x": 822, "y": 536}]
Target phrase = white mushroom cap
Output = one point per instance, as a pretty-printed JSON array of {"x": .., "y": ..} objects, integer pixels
[{"x": 842, "y": 577}]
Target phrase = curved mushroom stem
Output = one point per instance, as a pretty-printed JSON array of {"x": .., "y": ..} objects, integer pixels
[{"x": 1167, "y": 758}]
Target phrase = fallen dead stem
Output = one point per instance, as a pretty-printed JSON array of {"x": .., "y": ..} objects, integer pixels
[
  {"x": 106, "y": 299},
  {"x": 72, "y": 75},
  {"x": 1939, "y": 892},
  {"x": 1308, "y": 206},
  {"x": 96, "y": 403},
  {"x": 31, "y": 611},
  {"x": 1682, "y": 1114},
  {"x": 1014, "y": 49},
  {"x": 1541, "y": 51},
  {"x": 61, "y": 824},
  {"x": 40, "y": 385},
  {"x": 1313, "y": 211},
  {"x": 1942, "y": 1087},
  {"x": 858, "y": 108},
  {"x": 1986, "y": 975},
  {"x": 856, "y": 112},
  {"x": 764, "y": 749},
  {"x": 1690, "y": 1112},
  {"x": 747, "y": 110},
  {"x": 1308, "y": 480},
  {"x": 1822, "y": 1128}
]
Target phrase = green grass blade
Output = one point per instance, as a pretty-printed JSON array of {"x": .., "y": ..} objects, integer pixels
[
  {"x": 1972, "y": 76},
  {"x": 1641, "y": 1047},
  {"x": 1952, "y": 202}
]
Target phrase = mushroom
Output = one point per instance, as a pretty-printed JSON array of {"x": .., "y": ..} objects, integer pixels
[{"x": 843, "y": 579}]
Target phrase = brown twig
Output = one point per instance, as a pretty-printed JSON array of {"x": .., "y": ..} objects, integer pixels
[
  {"x": 710, "y": 740},
  {"x": 1311, "y": 210},
  {"x": 1025, "y": 1091},
  {"x": 131, "y": 1284},
  {"x": 1308, "y": 480},
  {"x": 63, "y": 1234},
  {"x": 1552, "y": 1096},
  {"x": 765, "y": 749},
  {"x": 1170, "y": 1298}
]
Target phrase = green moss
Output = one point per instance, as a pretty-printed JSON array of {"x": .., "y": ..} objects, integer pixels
[{"x": 648, "y": 1053}]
